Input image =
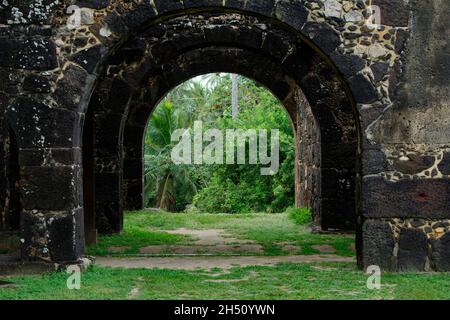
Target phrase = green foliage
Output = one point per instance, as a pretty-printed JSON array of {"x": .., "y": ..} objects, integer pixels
[
  {"x": 218, "y": 188},
  {"x": 300, "y": 216},
  {"x": 167, "y": 186},
  {"x": 232, "y": 197}
]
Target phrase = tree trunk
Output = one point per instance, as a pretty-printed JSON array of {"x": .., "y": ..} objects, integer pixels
[
  {"x": 235, "y": 96},
  {"x": 166, "y": 195}
]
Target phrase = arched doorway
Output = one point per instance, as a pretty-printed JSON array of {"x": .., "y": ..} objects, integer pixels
[
  {"x": 224, "y": 111},
  {"x": 354, "y": 74},
  {"x": 149, "y": 65},
  {"x": 136, "y": 56}
]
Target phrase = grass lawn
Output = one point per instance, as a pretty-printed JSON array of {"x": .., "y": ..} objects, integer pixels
[
  {"x": 324, "y": 280},
  {"x": 143, "y": 228},
  {"x": 284, "y": 281}
]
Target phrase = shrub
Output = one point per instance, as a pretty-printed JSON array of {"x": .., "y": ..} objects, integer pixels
[
  {"x": 223, "y": 195},
  {"x": 300, "y": 216}
]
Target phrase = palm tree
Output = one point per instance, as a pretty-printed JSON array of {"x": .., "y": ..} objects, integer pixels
[
  {"x": 234, "y": 96},
  {"x": 163, "y": 178},
  {"x": 192, "y": 100}
]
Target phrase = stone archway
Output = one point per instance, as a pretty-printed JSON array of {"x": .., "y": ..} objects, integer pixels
[
  {"x": 139, "y": 74},
  {"x": 348, "y": 70}
]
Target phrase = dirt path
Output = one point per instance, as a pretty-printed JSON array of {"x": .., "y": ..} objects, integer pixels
[
  {"x": 213, "y": 241},
  {"x": 192, "y": 263}
]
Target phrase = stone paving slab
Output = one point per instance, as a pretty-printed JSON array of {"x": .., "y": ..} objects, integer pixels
[
  {"x": 324, "y": 248},
  {"x": 193, "y": 263},
  {"x": 197, "y": 249}
]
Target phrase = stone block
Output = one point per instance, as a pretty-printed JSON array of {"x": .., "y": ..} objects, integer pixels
[
  {"x": 374, "y": 160},
  {"x": 292, "y": 12},
  {"x": 407, "y": 198},
  {"x": 363, "y": 90},
  {"x": 237, "y": 4},
  {"x": 21, "y": 12},
  {"x": 72, "y": 87},
  {"x": 39, "y": 126},
  {"x": 51, "y": 188},
  {"x": 378, "y": 245},
  {"x": 163, "y": 6},
  {"x": 322, "y": 35},
  {"x": 441, "y": 253},
  {"x": 413, "y": 250},
  {"x": 135, "y": 18},
  {"x": 49, "y": 157},
  {"x": 414, "y": 164},
  {"x": 379, "y": 70},
  {"x": 349, "y": 65},
  {"x": 66, "y": 236},
  {"x": 30, "y": 54},
  {"x": 89, "y": 58},
  {"x": 393, "y": 12},
  {"x": 444, "y": 165},
  {"x": 265, "y": 7},
  {"x": 36, "y": 84}
]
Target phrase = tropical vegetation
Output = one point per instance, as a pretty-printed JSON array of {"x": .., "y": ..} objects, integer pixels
[{"x": 217, "y": 188}]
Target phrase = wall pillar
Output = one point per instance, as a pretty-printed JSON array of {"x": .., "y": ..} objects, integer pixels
[
  {"x": 406, "y": 166},
  {"x": 308, "y": 159},
  {"x": 133, "y": 183}
]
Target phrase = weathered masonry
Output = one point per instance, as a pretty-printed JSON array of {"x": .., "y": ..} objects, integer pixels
[{"x": 79, "y": 80}]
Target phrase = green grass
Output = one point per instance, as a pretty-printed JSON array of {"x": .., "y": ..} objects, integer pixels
[
  {"x": 284, "y": 281},
  {"x": 143, "y": 228},
  {"x": 300, "y": 216},
  {"x": 134, "y": 238}
]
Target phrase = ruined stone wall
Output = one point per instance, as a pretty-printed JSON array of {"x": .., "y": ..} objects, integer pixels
[
  {"x": 396, "y": 74},
  {"x": 49, "y": 184},
  {"x": 411, "y": 226},
  {"x": 230, "y": 31},
  {"x": 26, "y": 53}
]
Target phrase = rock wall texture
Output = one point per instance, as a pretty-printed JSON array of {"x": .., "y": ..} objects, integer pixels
[
  {"x": 374, "y": 152},
  {"x": 413, "y": 135}
]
